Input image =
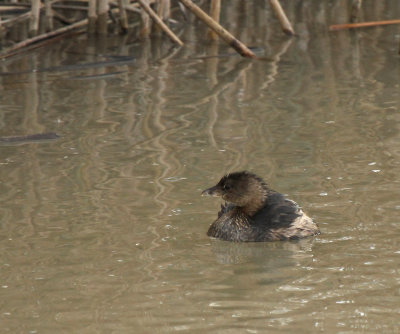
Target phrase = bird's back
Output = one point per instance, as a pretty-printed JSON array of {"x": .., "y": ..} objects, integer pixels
[{"x": 279, "y": 219}]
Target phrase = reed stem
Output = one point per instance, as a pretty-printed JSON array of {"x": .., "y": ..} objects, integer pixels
[
  {"x": 355, "y": 10},
  {"x": 215, "y": 11},
  {"x": 123, "y": 18},
  {"x": 223, "y": 33},
  {"x": 92, "y": 16},
  {"x": 160, "y": 22},
  {"x": 362, "y": 24},
  {"x": 48, "y": 15},
  {"x": 34, "y": 19},
  {"x": 283, "y": 20},
  {"x": 102, "y": 17},
  {"x": 27, "y": 42},
  {"x": 146, "y": 27}
]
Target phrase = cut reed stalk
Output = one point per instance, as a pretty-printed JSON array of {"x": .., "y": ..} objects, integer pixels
[
  {"x": 223, "y": 33},
  {"x": 160, "y": 22},
  {"x": 163, "y": 11},
  {"x": 146, "y": 27},
  {"x": 34, "y": 19},
  {"x": 10, "y": 51},
  {"x": 355, "y": 10},
  {"x": 362, "y": 24},
  {"x": 48, "y": 15},
  {"x": 283, "y": 20},
  {"x": 10, "y": 22},
  {"x": 92, "y": 16},
  {"x": 166, "y": 9},
  {"x": 102, "y": 17},
  {"x": 215, "y": 11},
  {"x": 123, "y": 18}
]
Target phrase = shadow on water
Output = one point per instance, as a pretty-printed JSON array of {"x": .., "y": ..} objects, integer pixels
[{"x": 268, "y": 255}]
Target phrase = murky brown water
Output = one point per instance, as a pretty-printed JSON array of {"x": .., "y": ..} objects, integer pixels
[{"x": 104, "y": 230}]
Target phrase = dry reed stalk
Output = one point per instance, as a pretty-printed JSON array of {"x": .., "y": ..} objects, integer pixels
[
  {"x": 2, "y": 31},
  {"x": 10, "y": 51},
  {"x": 48, "y": 15},
  {"x": 34, "y": 19},
  {"x": 160, "y": 22},
  {"x": 102, "y": 17},
  {"x": 223, "y": 33},
  {"x": 92, "y": 16},
  {"x": 215, "y": 11},
  {"x": 166, "y": 9},
  {"x": 283, "y": 20},
  {"x": 123, "y": 18},
  {"x": 355, "y": 9},
  {"x": 16, "y": 19},
  {"x": 159, "y": 8},
  {"x": 362, "y": 24},
  {"x": 163, "y": 11},
  {"x": 134, "y": 8},
  {"x": 146, "y": 27}
]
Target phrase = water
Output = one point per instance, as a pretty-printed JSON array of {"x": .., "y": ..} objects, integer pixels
[{"x": 104, "y": 229}]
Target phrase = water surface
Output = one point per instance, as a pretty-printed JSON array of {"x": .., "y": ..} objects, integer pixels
[{"x": 104, "y": 231}]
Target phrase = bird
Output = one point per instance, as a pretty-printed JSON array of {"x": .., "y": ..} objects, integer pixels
[{"x": 253, "y": 212}]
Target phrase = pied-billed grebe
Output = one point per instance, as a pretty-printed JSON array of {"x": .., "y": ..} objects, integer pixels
[{"x": 253, "y": 212}]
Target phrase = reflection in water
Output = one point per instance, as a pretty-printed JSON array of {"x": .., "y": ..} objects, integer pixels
[
  {"x": 105, "y": 230},
  {"x": 269, "y": 255}
]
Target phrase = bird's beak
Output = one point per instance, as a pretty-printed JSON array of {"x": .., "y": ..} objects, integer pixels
[{"x": 213, "y": 191}]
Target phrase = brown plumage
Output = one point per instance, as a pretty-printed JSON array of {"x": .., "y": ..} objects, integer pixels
[{"x": 253, "y": 212}]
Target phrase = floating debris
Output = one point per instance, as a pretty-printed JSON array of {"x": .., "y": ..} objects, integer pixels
[{"x": 29, "y": 138}]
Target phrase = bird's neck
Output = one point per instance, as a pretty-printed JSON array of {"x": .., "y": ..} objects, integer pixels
[{"x": 258, "y": 198}]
